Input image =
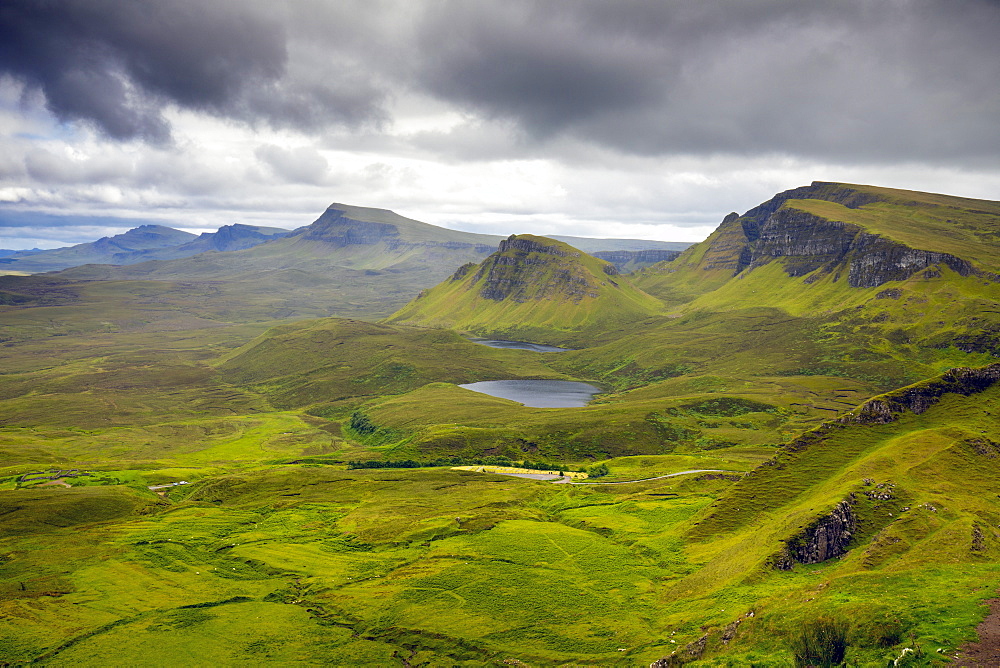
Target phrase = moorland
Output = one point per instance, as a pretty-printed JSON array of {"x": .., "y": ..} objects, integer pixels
[{"x": 262, "y": 455}]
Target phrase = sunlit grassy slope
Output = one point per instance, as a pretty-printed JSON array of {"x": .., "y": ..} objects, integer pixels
[
  {"x": 300, "y": 564},
  {"x": 532, "y": 286}
]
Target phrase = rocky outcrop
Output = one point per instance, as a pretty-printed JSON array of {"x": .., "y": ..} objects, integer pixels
[
  {"x": 523, "y": 269},
  {"x": 333, "y": 227},
  {"x": 826, "y": 538},
  {"x": 524, "y": 245},
  {"x": 919, "y": 397},
  {"x": 463, "y": 271},
  {"x": 806, "y": 242},
  {"x": 876, "y": 260}
]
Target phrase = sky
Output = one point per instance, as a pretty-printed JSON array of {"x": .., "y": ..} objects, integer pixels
[{"x": 613, "y": 118}]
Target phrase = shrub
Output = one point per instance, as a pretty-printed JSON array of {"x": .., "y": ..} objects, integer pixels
[
  {"x": 361, "y": 423},
  {"x": 597, "y": 471},
  {"x": 821, "y": 643}
]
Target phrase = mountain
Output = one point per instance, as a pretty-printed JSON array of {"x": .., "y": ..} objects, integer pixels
[
  {"x": 832, "y": 236},
  {"x": 140, "y": 244},
  {"x": 119, "y": 249},
  {"x": 530, "y": 284},
  {"x": 227, "y": 238},
  {"x": 6, "y": 252},
  {"x": 352, "y": 261}
]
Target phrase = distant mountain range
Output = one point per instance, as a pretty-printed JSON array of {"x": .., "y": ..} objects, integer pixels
[
  {"x": 146, "y": 242},
  {"x": 157, "y": 242},
  {"x": 351, "y": 261}
]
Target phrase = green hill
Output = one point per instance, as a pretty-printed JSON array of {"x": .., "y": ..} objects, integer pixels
[{"x": 531, "y": 287}]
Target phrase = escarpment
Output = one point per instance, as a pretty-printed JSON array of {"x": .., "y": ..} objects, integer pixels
[
  {"x": 337, "y": 227},
  {"x": 919, "y": 397},
  {"x": 524, "y": 268},
  {"x": 807, "y": 243},
  {"x": 626, "y": 260}
]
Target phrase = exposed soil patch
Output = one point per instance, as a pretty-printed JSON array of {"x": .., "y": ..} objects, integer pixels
[
  {"x": 985, "y": 652},
  {"x": 55, "y": 483}
]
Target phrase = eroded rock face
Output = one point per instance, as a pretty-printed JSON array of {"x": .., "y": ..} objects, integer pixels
[
  {"x": 524, "y": 269},
  {"x": 513, "y": 242},
  {"x": 806, "y": 242},
  {"x": 918, "y": 398},
  {"x": 827, "y": 538},
  {"x": 876, "y": 260}
]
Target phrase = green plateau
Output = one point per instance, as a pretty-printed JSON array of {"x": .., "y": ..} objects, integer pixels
[{"x": 252, "y": 456}]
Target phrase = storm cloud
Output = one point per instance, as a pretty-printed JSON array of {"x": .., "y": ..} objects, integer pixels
[
  {"x": 118, "y": 64},
  {"x": 855, "y": 80},
  {"x": 845, "y": 79}
]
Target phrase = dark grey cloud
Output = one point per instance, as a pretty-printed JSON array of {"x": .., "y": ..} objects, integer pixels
[
  {"x": 838, "y": 80},
  {"x": 116, "y": 64},
  {"x": 844, "y": 79}
]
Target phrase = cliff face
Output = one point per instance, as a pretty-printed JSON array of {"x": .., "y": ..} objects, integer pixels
[
  {"x": 627, "y": 260},
  {"x": 828, "y": 537},
  {"x": 921, "y": 396},
  {"x": 524, "y": 268},
  {"x": 805, "y": 242}
]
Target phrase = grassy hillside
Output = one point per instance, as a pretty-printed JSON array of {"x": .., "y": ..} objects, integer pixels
[
  {"x": 459, "y": 568},
  {"x": 532, "y": 286}
]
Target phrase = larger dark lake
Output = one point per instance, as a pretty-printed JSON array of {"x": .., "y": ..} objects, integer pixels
[
  {"x": 538, "y": 393},
  {"x": 520, "y": 345}
]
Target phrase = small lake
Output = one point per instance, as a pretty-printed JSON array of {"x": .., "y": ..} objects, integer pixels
[
  {"x": 520, "y": 345},
  {"x": 538, "y": 393}
]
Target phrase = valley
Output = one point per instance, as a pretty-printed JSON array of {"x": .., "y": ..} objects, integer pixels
[{"x": 795, "y": 427}]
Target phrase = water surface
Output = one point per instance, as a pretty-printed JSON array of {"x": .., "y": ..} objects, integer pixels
[
  {"x": 520, "y": 345},
  {"x": 538, "y": 393}
]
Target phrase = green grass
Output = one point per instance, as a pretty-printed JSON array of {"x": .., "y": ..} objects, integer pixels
[{"x": 276, "y": 554}]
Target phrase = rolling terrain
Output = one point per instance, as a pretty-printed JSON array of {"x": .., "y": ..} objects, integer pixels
[{"x": 824, "y": 366}]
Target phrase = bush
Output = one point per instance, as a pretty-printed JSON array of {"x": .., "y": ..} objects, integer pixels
[
  {"x": 361, "y": 423},
  {"x": 821, "y": 643},
  {"x": 598, "y": 471}
]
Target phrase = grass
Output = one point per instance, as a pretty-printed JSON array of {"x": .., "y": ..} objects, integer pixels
[
  {"x": 278, "y": 554},
  {"x": 480, "y": 568}
]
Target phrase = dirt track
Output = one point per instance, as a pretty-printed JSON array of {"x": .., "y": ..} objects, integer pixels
[{"x": 986, "y": 652}]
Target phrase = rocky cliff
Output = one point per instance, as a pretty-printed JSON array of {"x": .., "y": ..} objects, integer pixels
[
  {"x": 918, "y": 397},
  {"x": 828, "y": 537},
  {"x": 784, "y": 229}
]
